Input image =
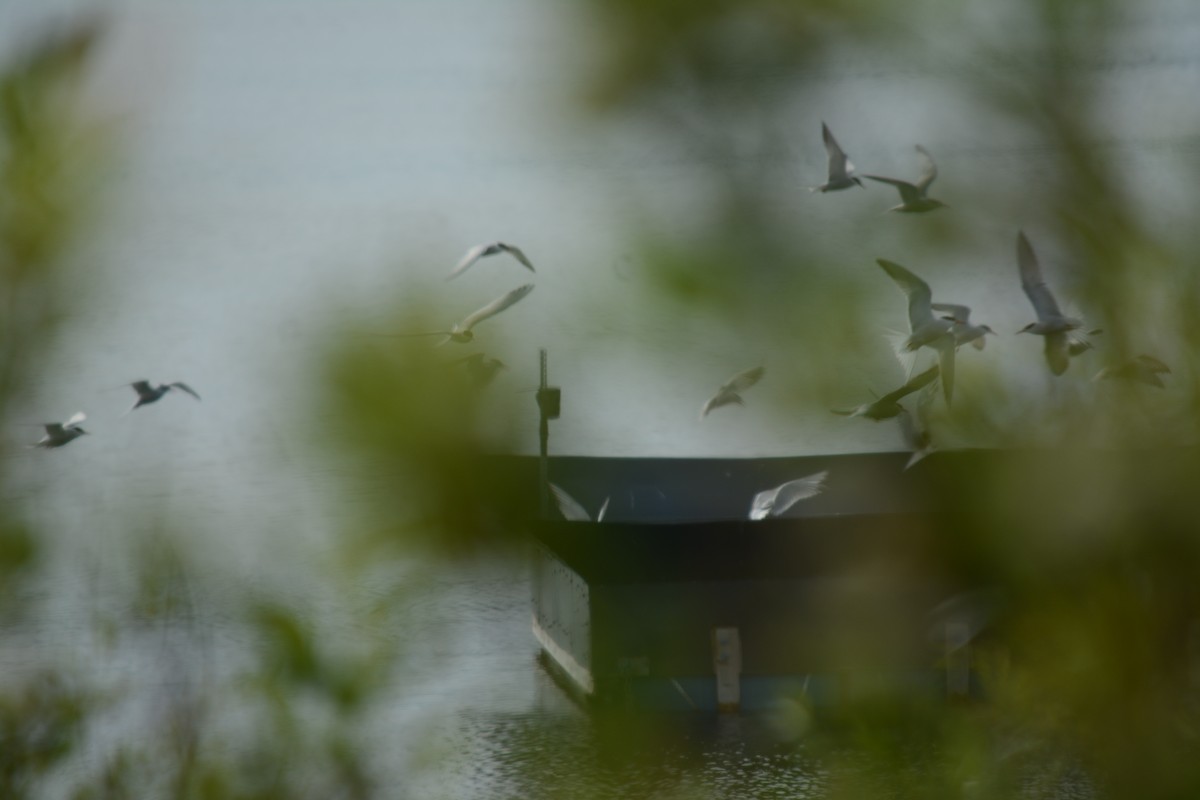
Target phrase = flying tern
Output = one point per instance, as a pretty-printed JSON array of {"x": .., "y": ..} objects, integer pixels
[
  {"x": 483, "y": 250},
  {"x": 572, "y": 509},
  {"x": 730, "y": 391},
  {"x": 775, "y": 502},
  {"x": 60, "y": 433},
  {"x": 914, "y": 196},
  {"x": 147, "y": 394},
  {"x": 1141, "y": 368},
  {"x": 840, "y": 167},
  {"x": 1051, "y": 323},
  {"x": 964, "y": 331},
  {"x": 889, "y": 406},
  {"x": 462, "y": 331},
  {"x": 925, "y": 330}
]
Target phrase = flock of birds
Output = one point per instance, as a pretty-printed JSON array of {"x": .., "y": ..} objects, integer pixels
[
  {"x": 951, "y": 327},
  {"x": 61, "y": 433},
  {"x": 941, "y": 327},
  {"x": 938, "y": 326},
  {"x": 482, "y": 368}
]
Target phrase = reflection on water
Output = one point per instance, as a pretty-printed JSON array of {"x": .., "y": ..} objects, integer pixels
[
  {"x": 508, "y": 730},
  {"x": 465, "y": 711},
  {"x": 167, "y": 644},
  {"x": 717, "y": 757}
]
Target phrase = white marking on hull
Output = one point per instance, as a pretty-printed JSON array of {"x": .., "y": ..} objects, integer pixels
[{"x": 577, "y": 672}]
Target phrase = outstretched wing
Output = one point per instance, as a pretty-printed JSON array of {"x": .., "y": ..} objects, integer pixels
[
  {"x": 910, "y": 194},
  {"x": 728, "y": 393},
  {"x": 919, "y": 296},
  {"x": 75, "y": 419},
  {"x": 839, "y": 164},
  {"x": 53, "y": 428},
  {"x": 928, "y": 170},
  {"x": 721, "y": 398},
  {"x": 793, "y": 492},
  {"x": 1032, "y": 281},
  {"x": 918, "y": 381},
  {"x": 495, "y": 307},
  {"x": 469, "y": 258},
  {"x": 568, "y": 506},
  {"x": 516, "y": 253},
  {"x": 761, "y": 505},
  {"x": 186, "y": 388}
]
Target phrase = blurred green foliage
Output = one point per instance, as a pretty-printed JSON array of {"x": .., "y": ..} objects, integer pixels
[
  {"x": 1091, "y": 537},
  {"x": 46, "y": 168},
  {"x": 40, "y": 724},
  {"x": 50, "y": 154},
  {"x": 731, "y": 49},
  {"x": 46, "y": 163},
  {"x": 416, "y": 415},
  {"x": 1092, "y": 540}
]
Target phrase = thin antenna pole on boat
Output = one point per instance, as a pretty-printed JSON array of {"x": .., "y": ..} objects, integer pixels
[
  {"x": 549, "y": 400},
  {"x": 544, "y": 442}
]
